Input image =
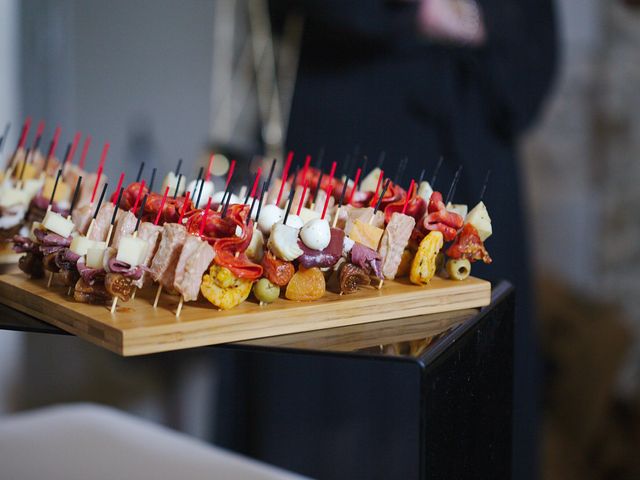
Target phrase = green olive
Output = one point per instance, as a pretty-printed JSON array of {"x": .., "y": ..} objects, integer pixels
[
  {"x": 458, "y": 269},
  {"x": 265, "y": 291}
]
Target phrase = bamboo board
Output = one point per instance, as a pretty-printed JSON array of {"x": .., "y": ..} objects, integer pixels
[{"x": 136, "y": 328}]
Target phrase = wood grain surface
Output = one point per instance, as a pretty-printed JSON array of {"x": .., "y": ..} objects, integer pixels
[{"x": 136, "y": 328}]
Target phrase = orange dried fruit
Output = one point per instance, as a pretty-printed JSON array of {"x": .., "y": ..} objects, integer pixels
[{"x": 306, "y": 285}]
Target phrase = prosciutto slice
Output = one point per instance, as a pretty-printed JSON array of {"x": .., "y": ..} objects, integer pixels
[
  {"x": 195, "y": 258},
  {"x": 125, "y": 225},
  {"x": 101, "y": 225},
  {"x": 164, "y": 262},
  {"x": 367, "y": 259},
  {"x": 323, "y": 258},
  {"x": 394, "y": 240}
]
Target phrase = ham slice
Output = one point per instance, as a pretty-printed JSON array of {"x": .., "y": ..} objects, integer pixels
[
  {"x": 151, "y": 234},
  {"x": 195, "y": 258},
  {"x": 101, "y": 225},
  {"x": 163, "y": 266},
  {"x": 125, "y": 225},
  {"x": 394, "y": 240},
  {"x": 81, "y": 218},
  {"x": 323, "y": 258},
  {"x": 367, "y": 259}
]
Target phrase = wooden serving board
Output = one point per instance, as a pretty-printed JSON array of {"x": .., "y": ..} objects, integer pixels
[{"x": 136, "y": 328}]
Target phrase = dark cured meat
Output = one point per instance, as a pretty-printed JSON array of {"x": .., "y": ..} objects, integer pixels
[
  {"x": 352, "y": 277},
  {"x": 51, "y": 239},
  {"x": 277, "y": 271},
  {"x": 49, "y": 262},
  {"x": 117, "y": 285},
  {"x": 31, "y": 264},
  {"x": 323, "y": 258},
  {"x": 23, "y": 245},
  {"x": 122, "y": 268},
  {"x": 95, "y": 293},
  {"x": 66, "y": 259},
  {"x": 416, "y": 208},
  {"x": 367, "y": 259},
  {"x": 90, "y": 276},
  {"x": 170, "y": 211}
]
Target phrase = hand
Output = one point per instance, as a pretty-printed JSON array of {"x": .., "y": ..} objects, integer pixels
[{"x": 452, "y": 21}]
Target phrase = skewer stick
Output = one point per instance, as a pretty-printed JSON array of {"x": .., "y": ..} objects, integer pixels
[
  {"x": 265, "y": 185},
  {"x": 435, "y": 172},
  {"x": 175, "y": 192},
  {"x": 38, "y": 137},
  {"x": 155, "y": 222},
  {"x": 454, "y": 184},
  {"x": 304, "y": 194},
  {"x": 184, "y": 208},
  {"x": 164, "y": 199},
  {"x": 400, "y": 172},
  {"x": 52, "y": 151},
  {"x": 85, "y": 151},
  {"x": 409, "y": 193},
  {"x": 24, "y": 166},
  {"x": 377, "y": 207},
  {"x": 197, "y": 188},
  {"x": 95, "y": 213},
  {"x": 178, "y": 167},
  {"x": 23, "y": 138},
  {"x": 53, "y": 194},
  {"x": 232, "y": 169},
  {"x": 135, "y": 231},
  {"x": 120, "y": 191},
  {"x": 305, "y": 169},
  {"x": 315, "y": 194},
  {"x": 326, "y": 201},
  {"x": 374, "y": 199},
  {"x": 5, "y": 135},
  {"x": 153, "y": 179},
  {"x": 421, "y": 176},
  {"x": 340, "y": 202},
  {"x": 140, "y": 170},
  {"x": 254, "y": 188},
  {"x": 74, "y": 145},
  {"x": 355, "y": 185},
  {"x": 285, "y": 173},
  {"x": 381, "y": 159},
  {"x": 271, "y": 170},
  {"x": 180, "y": 304},
  {"x": 207, "y": 175},
  {"x": 484, "y": 184}
]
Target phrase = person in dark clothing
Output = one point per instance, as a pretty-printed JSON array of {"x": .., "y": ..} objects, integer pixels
[{"x": 372, "y": 74}]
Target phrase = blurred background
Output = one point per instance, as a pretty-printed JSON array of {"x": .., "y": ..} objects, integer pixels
[{"x": 161, "y": 79}]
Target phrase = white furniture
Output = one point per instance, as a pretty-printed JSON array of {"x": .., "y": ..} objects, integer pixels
[{"x": 91, "y": 442}]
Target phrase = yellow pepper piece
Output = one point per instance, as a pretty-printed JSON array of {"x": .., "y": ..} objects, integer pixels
[
  {"x": 423, "y": 267},
  {"x": 224, "y": 289}
]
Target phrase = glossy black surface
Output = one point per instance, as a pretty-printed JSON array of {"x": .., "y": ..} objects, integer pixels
[{"x": 422, "y": 398}]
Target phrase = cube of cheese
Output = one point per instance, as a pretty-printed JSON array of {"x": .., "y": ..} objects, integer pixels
[
  {"x": 459, "y": 208},
  {"x": 370, "y": 182},
  {"x": 132, "y": 250},
  {"x": 95, "y": 255},
  {"x": 14, "y": 196},
  {"x": 479, "y": 218},
  {"x": 80, "y": 245},
  {"x": 62, "y": 190},
  {"x": 56, "y": 223},
  {"x": 366, "y": 234},
  {"x": 306, "y": 214}
]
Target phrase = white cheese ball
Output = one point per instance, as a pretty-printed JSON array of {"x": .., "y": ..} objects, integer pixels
[
  {"x": 269, "y": 215},
  {"x": 295, "y": 221},
  {"x": 207, "y": 191},
  {"x": 316, "y": 234},
  {"x": 217, "y": 198}
]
